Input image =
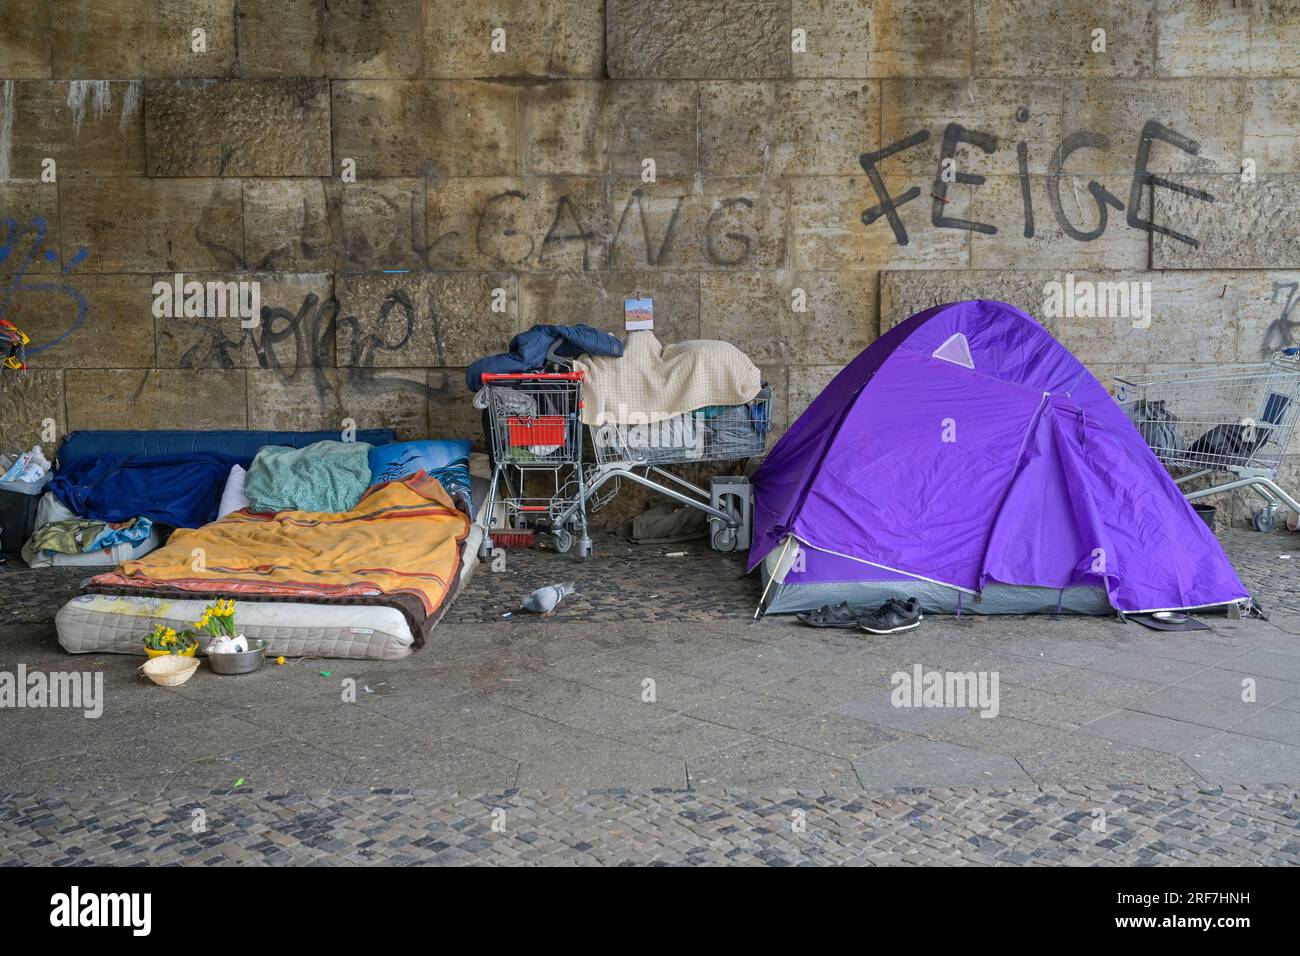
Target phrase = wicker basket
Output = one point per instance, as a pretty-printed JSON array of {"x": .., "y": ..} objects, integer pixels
[{"x": 170, "y": 671}]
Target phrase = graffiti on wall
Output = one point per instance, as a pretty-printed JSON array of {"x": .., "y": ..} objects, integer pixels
[
  {"x": 21, "y": 247},
  {"x": 1282, "y": 331},
  {"x": 955, "y": 134},
  {"x": 292, "y": 343}
]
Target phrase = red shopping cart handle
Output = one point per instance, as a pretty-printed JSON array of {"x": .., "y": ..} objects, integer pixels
[{"x": 533, "y": 376}]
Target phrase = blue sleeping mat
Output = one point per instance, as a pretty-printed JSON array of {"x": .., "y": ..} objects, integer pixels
[{"x": 237, "y": 444}]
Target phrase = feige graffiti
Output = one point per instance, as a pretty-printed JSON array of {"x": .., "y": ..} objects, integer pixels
[
  {"x": 293, "y": 343},
  {"x": 955, "y": 134},
  {"x": 20, "y": 283}
]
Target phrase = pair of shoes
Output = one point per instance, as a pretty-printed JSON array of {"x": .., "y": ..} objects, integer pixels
[
  {"x": 892, "y": 617},
  {"x": 842, "y": 615}
]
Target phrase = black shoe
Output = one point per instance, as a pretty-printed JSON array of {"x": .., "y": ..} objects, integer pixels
[
  {"x": 842, "y": 615},
  {"x": 893, "y": 616}
]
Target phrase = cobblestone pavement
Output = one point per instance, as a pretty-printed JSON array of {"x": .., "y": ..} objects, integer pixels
[
  {"x": 1048, "y": 826},
  {"x": 768, "y": 744}
]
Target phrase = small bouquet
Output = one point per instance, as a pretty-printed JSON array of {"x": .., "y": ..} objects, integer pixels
[
  {"x": 217, "y": 621},
  {"x": 218, "y": 618},
  {"x": 165, "y": 641}
]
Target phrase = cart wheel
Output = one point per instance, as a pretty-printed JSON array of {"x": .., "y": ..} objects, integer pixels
[
  {"x": 563, "y": 540},
  {"x": 1265, "y": 520},
  {"x": 485, "y": 548},
  {"x": 724, "y": 539},
  {"x": 583, "y": 551}
]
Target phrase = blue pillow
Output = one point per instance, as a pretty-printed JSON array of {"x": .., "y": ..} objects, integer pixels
[
  {"x": 404, "y": 458},
  {"x": 446, "y": 459}
]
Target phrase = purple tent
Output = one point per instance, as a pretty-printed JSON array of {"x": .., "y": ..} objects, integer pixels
[{"x": 968, "y": 459}]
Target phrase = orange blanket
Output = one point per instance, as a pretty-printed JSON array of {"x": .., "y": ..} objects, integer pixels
[{"x": 402, "y": 538}]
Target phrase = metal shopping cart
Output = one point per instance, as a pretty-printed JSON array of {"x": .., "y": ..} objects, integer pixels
[
  {"x": 1233, "y": 420},
  {"x": 639, "y": 452},
  {"x": 536, "y": 430}
]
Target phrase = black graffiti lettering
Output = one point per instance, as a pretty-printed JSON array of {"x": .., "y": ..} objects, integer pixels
[
  {"x": 953, "y": 134},
  {"x": 1151, "y": 132},
  {"x": 652, "y": 257},
  {"x": 888, "y": 206},
  {"x": 582, "y": 235},
  {"x": 1281, "y": 332},
  {"x": 1070, "y": 145},
  {"x": 507, "y": 230},
  {"x": 312, "y": 332},
  {"x": 716, "y": 257},
  {"x": 1026, "y": 197}
]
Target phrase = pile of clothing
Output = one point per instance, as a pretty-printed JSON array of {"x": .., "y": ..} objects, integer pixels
[{"x": 683, "y": 401}]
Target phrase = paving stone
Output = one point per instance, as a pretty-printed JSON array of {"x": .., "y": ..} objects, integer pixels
[
  {"x": 681, "y": 735},
  {"x": 835, "y": 735},
  {"x": 1272, "y": 723},
  {"x": 746, "y": 762},
  {"x": 914, "y": 761},
  {"x": 436, "y": 765},
  {"x": 1231, "y": 686},
  {"x": 277, "y": 766},
  {"x": 1147, "y": 730},
  {"x": 1265, "y": 663},
  {"x": 1235, "y": 758},
  {"x": 1137, "y": 666},
  {"x": 878, "y": 708},
  {"x": 1195, "y": 706},
  {"x": 1063, "y": 711}
]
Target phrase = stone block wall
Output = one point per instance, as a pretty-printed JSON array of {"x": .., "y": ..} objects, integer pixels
[{"x": 413, "y": 181}]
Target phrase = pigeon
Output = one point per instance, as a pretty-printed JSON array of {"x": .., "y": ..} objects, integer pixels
[{"x": 544, "y": 600}]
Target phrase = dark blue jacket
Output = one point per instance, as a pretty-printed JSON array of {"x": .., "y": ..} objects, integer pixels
[{"x": 528, "y": 350}]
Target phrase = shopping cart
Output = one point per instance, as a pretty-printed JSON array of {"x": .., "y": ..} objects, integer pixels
[
  {"x": 639, "y": 452},
  {"x": 537, "y": 476},
  {"x": 1233, "y": 420}
]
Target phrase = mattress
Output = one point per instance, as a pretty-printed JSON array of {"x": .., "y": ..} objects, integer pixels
[{"x": 117, "y": 624}]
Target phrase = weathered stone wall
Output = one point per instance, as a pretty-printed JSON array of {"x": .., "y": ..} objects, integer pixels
[{"x": 797, "y": 148}]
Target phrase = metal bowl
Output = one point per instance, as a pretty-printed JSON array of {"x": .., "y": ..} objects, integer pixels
[{"x": 244, "y": 662}]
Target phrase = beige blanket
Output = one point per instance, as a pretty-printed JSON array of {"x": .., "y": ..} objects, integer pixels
[{"x": 652, "y": 382}]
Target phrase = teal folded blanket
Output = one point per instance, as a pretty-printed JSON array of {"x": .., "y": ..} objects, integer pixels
[{"x": 328, "y": 476}]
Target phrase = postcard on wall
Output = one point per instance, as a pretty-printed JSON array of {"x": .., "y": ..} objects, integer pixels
[{"x": 638, "y": 314}]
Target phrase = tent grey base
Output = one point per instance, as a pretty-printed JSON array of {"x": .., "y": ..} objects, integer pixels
[{"x": 937, "y": 598}]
